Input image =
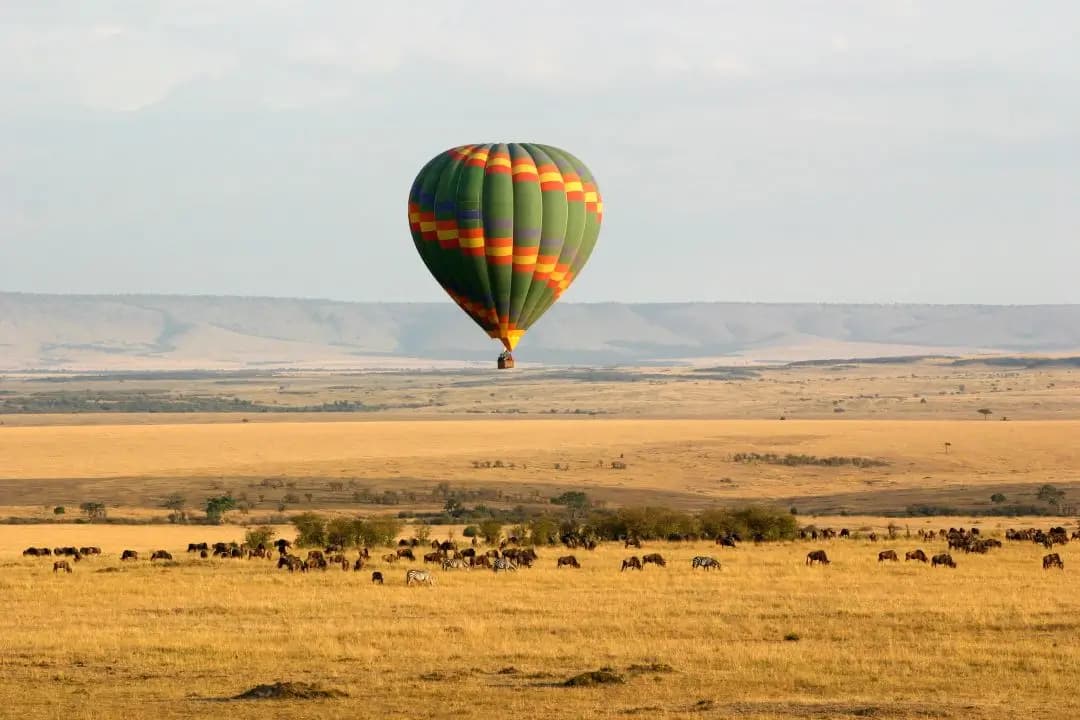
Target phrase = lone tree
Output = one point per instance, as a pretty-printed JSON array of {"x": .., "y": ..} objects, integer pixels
[
  {"x": 216, "y": 507},
  {"x": 1051, "y": 495},
  {"x": 175, "y": 503},
  {"x": 947, "y": 446},
  {"x": 94, "y": 510},
  {"x": 986, "y": 413},
  {"x": 997, "y": 498}
]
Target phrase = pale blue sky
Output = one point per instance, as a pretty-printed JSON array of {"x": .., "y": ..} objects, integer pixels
[{"x": 884, "y": 151}]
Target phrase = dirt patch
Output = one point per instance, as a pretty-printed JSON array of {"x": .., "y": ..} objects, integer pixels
[
  {"x": 603, "y": 676},
  {"x": 289, "y": 691}
]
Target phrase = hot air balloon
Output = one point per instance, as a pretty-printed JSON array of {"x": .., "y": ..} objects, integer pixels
[{"x": 505, "y": 228}]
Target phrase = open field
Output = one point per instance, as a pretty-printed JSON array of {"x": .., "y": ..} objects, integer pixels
[
  {"x": 924, "y": 389},
  {"x": 993, "y": 638},
  {"x": 685, "y": 463}
]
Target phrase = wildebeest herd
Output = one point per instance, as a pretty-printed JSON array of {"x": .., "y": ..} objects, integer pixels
[{"x": 510, "y": 555}]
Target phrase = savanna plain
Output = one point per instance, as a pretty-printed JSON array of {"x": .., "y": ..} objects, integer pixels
[{"x": 764, "y": 636}]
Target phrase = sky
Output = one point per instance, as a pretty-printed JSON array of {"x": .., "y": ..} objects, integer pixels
[{"x": 803, "y": 151}]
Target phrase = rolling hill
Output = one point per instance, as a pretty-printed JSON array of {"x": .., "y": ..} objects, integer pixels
[{"x": 100, "y": 332}]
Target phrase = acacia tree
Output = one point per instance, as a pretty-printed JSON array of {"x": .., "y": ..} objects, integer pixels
[
  {"x": 175, "y": 502},
  {"x": 986, "y": 413},
  {"x": 94, "y": 510},
  {"x": 216, "y": 507}
]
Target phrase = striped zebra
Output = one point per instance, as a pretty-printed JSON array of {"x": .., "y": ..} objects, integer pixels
[
  {"x": 455, "y": 564},
  {"x": 503, "y": 564},
  {"x": 420, "y": 577},
  {"x": 705, "y": 562}
]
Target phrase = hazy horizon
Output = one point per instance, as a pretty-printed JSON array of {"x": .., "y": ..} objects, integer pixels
[{"x": 836, "y": 153}]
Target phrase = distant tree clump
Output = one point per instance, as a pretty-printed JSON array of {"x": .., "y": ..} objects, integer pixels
[
  {"x": 986, "y": 413},
  {"x": 94, "y": 511},
  {"x": 59, "y": 510},
  {"x": 997, "y": 498}
]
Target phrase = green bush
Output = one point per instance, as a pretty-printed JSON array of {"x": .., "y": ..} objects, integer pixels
[
  {"x": 59, "y": 510},
  {"x": 491, "y": 531},
  {"x": 310, "y": 529},
  {"x": 262, "y": 535}
]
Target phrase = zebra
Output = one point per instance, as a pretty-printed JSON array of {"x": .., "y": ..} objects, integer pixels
[
  {"x": 705, "y": 562},
  {"x": 420, "y": 577},
  {"x": 503, "y": 564},
  {"x": 455, "y": 564}
]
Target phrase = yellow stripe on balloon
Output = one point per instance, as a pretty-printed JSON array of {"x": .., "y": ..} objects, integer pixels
[
  {"x": 447, "y": 234},
  {"x": 468, "y": 242},
  {"x": 427, "y": 226},
  {"x": 499, "y": 251},
  {"x": 524, "y": 259},
  {"x": 573, "y": 186},
  {"x": 499, "y": 161},
  {"x": 551, "y": 177},
  {"x": 590, "y": 196},
  {"x": 545, "y": 267}
]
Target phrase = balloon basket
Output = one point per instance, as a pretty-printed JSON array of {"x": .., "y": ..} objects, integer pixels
[{"x": 506, "y": 361}]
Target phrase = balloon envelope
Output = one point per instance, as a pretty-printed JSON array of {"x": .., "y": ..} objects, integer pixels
[{"x": 505, "y": 228}]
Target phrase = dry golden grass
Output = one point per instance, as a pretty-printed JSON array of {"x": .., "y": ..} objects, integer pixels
[
  {"x": 994, "y": 638},
  {"x": 679, "y": 462}
]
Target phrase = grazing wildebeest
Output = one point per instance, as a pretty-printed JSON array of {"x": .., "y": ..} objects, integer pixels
[
  {"x": 290, "y": 562},
  {"x": 197, "y": 547},
  {"x": 726, "y": 541},
  {"x": 845, "y": 533},
  {"x": 221, "y": 548},
  {"x": 468, "y": 552},
  {"x": 915, "y": 555},
  {"x": 655, "y": 559},
  {"x": 433, "y": 557},
  {"x": 1053, "y": 560},
  {"x": 704, "y": 562},
  {"x": 160, "y": 555},
  {"x": 61, "y": 565},
  {"x": 817, "y": 556},
  {"x": 887, "y": 555},
  {"x": 944, "y": 559},
  {"x": 376, "y": 578},
  {"x": 31, "y": 552},
  {"x": 203, "y": 554},
  {"x": 482, "y": 561},
  {"x": 406, "y": 553},
  {"x": 90, "y": 550},
  {"x": 632, "y": 542},
  {"x": 129, "y": 555},
  {"x": 282, "y": 545},
  {"x": 567, "y": 561},
  {"x": 315, "y": 554},
  {"x": 455, "y": 564},
  {"x": 358, "y": 565},
  {"x": 631, "y": 563},
  {"x": 390, "y": 558},
  {"x": 419, "y": 577}
]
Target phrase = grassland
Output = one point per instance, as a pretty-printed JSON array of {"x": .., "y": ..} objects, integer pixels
[
  {"x": 687, "y": 463},
  {"x": 993, "y": 638}
]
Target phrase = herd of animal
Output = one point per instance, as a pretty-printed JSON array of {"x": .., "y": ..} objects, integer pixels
[{"x": 510, "y": 556}]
